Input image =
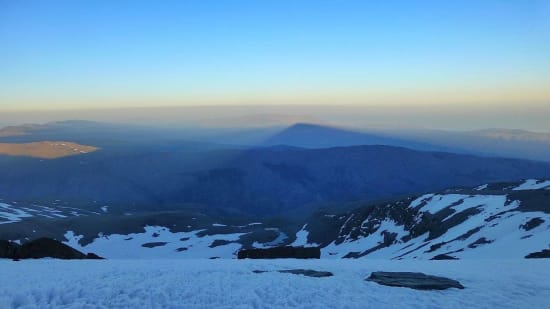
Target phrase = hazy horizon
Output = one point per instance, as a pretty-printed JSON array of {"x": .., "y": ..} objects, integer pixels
[
  {"x": 467, "y": 65},
  {"x": 453, "y": 118}
]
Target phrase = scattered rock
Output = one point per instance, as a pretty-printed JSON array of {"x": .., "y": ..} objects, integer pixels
[
  {"x": 544, "y": 254},
  {"x": 154, "y": 244},
  {"x": 181, "y": 249},
  {"x": 418, "y": 281},
  {"x": 444, "y": 257},
  {"x": 286, "y": 252}
]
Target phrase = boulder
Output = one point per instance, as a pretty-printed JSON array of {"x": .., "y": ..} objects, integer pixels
[
  {"x": 286, "y": 252},
  {"x": 418, "y": 281}
]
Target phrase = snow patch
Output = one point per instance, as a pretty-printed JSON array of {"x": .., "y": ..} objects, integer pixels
[{"x": 533, "y": 184}]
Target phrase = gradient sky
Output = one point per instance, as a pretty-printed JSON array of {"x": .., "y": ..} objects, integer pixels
[{"x": 76, "y": 54}]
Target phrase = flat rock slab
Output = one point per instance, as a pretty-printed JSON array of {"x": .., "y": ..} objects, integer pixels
[
  {"x": 418, "y": 281},
  {"x": 303, "y": 272}
]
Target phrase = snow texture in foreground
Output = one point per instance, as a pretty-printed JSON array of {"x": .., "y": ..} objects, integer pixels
[{"x": 232, "y": 284}]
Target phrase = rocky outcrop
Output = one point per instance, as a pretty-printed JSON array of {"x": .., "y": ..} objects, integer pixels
[
  {"x": 42, "y": 248},
  {"x": 544, "y": 254},
  {"x": 417, "y": 281},
  {"x": 286, "y": 252}
]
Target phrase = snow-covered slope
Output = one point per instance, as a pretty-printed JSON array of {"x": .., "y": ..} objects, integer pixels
[
  {"x": 502, "y": 220},
  {"x": 486, "y": 222}
]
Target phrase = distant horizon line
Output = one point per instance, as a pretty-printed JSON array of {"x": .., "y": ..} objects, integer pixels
[{"x": 543, "y": 103}]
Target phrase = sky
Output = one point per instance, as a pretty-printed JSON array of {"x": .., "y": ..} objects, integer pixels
[{"x": 117, "y": 54}]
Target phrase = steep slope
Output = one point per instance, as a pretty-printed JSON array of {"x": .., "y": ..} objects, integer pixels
[{"x": 490, "y": 221}]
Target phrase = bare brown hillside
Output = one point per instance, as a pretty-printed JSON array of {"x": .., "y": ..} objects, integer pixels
[{"x": 45, "y": 149}]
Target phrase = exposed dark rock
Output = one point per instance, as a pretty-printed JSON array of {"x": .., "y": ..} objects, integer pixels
[
  {"x": 181, "y": 249},
  {"x": 281, "y": 253},
  {"x": 46, "y": 247},
  {"x": 184, "y": 239},
  {"x": 259, "y": 271},
  {"x": 154, "y": 244},
  {"x": 304, "y": 272},
  {"x": 479, "y": 242},
  {"x": 156, "y": 235},
  {"x": 444, "y": 257},
  {"x": 93, "y": 256},
  {"x": 418, "y": 281},
  {"x": 531, "y": 224},
  {"x": 41, "y": 248},
  {"x": 8, "y": 249},
  {"x": 544, "y": 254},
  {"x": 308, "y": 272},
  {"x": 220, "y": 242}
]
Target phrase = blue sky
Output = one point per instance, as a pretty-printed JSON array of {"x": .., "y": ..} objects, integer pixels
[{"x": 71, "y": 54}]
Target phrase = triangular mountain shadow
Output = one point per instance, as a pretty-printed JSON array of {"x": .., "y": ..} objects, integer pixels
[{"x": 319, "y": 136}]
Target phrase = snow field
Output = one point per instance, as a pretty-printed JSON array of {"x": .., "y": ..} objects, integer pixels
[{"x": 193, "y": 283}]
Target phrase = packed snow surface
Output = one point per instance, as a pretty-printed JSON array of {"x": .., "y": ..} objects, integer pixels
[{"x": 203, "y": 283}]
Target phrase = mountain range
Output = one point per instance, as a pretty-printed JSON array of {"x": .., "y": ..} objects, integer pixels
[{"x": 496, "y": 220}]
